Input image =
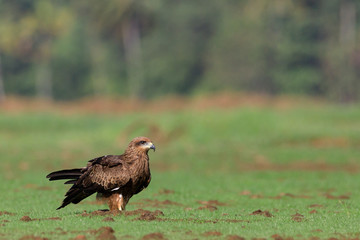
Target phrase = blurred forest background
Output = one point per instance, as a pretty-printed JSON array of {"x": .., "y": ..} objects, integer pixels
[{"x": 66, "y": 50}]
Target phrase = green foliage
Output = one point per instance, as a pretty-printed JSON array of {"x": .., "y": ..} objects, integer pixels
[{"x": 144, "y": 50}]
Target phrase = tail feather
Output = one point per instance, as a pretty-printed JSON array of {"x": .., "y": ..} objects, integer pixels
[
  {"x": 75, "y": 196},
  {"x": 77, "y": 192},
  {"x": 70, "y": 181},
  {"x": 65, "y": 174}
]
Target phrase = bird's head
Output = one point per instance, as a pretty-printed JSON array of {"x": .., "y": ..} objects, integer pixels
[{"x": 141, "y": 144}]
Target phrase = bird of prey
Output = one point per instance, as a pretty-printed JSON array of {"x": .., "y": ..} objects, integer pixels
[{"x": 115, "y": 178}]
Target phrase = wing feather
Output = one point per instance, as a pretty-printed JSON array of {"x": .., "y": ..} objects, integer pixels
[{"x": 107, "y": 172}]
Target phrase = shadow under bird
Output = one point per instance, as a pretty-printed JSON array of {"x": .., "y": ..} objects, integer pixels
[{"x": 115, "y": 178}]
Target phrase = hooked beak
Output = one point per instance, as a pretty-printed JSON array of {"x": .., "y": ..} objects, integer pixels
[{"x": 152, "y": 146}]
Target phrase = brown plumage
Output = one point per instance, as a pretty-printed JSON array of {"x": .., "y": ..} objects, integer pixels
[{"x": 114, "y": 177}]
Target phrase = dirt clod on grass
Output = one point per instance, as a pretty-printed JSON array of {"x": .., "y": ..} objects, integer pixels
[
  {"x": 245, "y": 193},
  {"x": 142, "y": 214},
  {"x": 297, "y": 217},
  {"x": 165, "y": 192},
  {"x": 313, "y": 211},
  {"x": 263, "y": 213},
  {"x": 212, "y": 233},
  {"x": 282, "y": 195},
  {"x": 278, "y": 237},
  {"x": 208, "y": 207},
  {"x": 80, "y": 237},
  {"x": 105, "y": 233},
  {"x": 145, "y": 215},
  {"x": 6, "y": 213},
  {"x": 153, "y": 236},
  {"x": 29, "y": 219},
  {"x": 234, "y": 237},
  {"x": 26, "y": 219},
  {"x": 32, "y": 237},
  {"x": 330, "y": 196},
  {"x": 150, "y": 216},
  {"x": 316, "y": 206}
]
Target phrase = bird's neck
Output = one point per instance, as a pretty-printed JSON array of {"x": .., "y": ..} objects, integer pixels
[{"x": 136, "y": 156}]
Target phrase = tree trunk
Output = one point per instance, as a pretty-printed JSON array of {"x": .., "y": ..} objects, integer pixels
[
  {"x": 347, "y": 40},
  {"x": 44, "y": 80},
  {"x": 133, "y": 57},
  {"x": 347, "y": 31},
  {"x": 99, "y": 76}
]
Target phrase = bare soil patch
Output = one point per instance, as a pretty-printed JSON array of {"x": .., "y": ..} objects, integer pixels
[
  {"x": 212, "y": 233},
  {"x": 331, "y": 142},
  {"x": 279, "y": 237},
  {"x": 105, "y": 233},
  {"x": 26, "y": 219},
  {"x": 29, "y": 219},
  {"x": 6, "y": 213},
  {"x": 146, "y": 215},
  {"x": 32, "y": 237},
  {"x": 290, "y": 195},
  {"x": 225, "y": 100},
  {"x": 297, "y": 217},
  {"x": 316, "y": 206},
  {"x": 234, "y": 237},
  {"x": 153, "y": 236},
  {"x": 208, "y": 207},
  {"x": 80, "y": 237},
  {"x": 52, "y": 218},
  {"x": 262, "y": 213},
  {"x": 330, "y": 196},
  {"x": 164, "y": 192}
]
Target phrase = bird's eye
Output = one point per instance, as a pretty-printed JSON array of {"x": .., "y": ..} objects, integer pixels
[{"x": 142, "y": 142}]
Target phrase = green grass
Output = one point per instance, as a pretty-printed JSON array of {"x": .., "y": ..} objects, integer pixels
[{"x": 242, "y": 157}]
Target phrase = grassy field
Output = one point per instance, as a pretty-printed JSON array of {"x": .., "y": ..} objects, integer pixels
[{"x": 251, "y": 172}]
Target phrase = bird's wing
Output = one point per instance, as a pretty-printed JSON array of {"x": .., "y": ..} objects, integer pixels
[
  {"x": 106, "y": 172},
  {"x": 102, "y": 174}
]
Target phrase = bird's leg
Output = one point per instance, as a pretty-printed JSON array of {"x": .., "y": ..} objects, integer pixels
[
  {"x": 114, "y": 202},
  {"x": 124, "y": 201},
  {"x": 121, "y": 205}
]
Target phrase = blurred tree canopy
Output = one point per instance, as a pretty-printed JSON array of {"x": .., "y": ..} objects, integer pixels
[{"x": 66, "y": 50}]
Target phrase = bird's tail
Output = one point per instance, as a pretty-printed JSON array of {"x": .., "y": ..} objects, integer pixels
[
  {"x": 72, "y": 174},
  {"x": 75, "y": 195}
]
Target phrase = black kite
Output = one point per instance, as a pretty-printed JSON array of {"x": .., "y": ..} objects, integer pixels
[{"x": 113, "y": 177}]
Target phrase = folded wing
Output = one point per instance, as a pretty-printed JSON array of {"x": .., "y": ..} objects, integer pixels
[{"x": 101, "y": 175}]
